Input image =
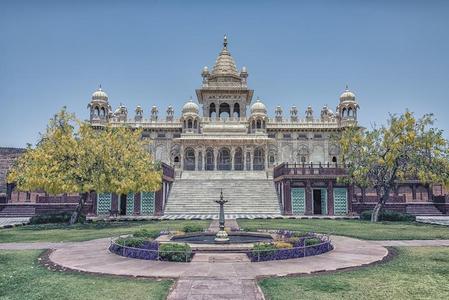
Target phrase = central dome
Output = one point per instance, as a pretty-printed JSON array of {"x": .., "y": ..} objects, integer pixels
[
  {"x": 99, "y": 94},
  {"x": 225, "y": 64},
  {"x": 347, "y": 95}
]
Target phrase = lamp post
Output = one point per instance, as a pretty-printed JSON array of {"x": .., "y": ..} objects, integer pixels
[{"x": 222, "y": 235}]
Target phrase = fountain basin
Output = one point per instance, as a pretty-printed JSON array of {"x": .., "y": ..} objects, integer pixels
[{"x": 234, "y": 238}]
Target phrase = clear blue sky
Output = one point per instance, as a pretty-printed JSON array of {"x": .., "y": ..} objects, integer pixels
[{"x": 393, "y": 54}]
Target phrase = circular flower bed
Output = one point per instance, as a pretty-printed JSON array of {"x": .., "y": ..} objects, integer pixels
[
  {"x": 289, "y": 245},
  {"x": 142, "y": 245}
]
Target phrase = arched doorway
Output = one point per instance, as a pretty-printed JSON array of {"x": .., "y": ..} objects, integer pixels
[
  {"x": 238, "y": 159},
  {"x": 224, "y": 159},
  {"x": 209, "y": 160},
  {"x": 259, "y": 159},
  {"x": 189, "y": 159}
]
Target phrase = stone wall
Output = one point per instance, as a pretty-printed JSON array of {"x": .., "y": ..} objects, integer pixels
[{"x": 7, "y": 157}]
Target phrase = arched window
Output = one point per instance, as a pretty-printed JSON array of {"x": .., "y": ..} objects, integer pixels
[
  {"x": 224, "y": 159},
  {"x": 343, "y": 112},
  {"x": 259, "y": 159},
  {"x": 189, "y": 123},
  {"x": 212, "y": 110},
  {"x": 96, "y": 111},
  {"x": 350, "y": 112},
  {"x": 102, "y": 112},
  {"x": 334, "y": 159},
  {"x": 189, "y": 159},
  {"x": 209, "y": 160},
  {"x": 176, "y": 159},
  {"x": 238, "y": 159},
  {"x": 195, "y": 124},
  {"x": 259, "y": 124},
  {"x": 236, "y": 110},
  {"x": 224, "y": 111}
]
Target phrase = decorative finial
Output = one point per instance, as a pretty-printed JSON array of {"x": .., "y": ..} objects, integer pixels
[
  {"x": 225, "y": 41},
  {"x": 99, "y": 86},
  {"x": 347, "y": 88}
]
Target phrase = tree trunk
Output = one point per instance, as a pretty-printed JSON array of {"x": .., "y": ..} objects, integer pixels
[
  {"x": 75, "y": 215},
  {"x": 379, "y": 206}
]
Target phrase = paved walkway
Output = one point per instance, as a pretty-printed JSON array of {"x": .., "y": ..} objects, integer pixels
[
  {"x": 439, "y": 220},
  {"x": 216, "y": 275},
  {"x": 5, "y": 222}
]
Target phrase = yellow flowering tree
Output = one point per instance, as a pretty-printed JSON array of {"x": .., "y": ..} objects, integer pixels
[
  {"x": 72, "y": 157},
  {"x": 407, "y": 148}
]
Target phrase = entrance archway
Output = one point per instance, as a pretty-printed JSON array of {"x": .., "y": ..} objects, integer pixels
[
  {"x": 189, "y": 159},
  {"x": 209, "y": 160},
  {"x": 259, "y": 159},
  {"x": 224, "y": 159},
  {"x": 238, "y": 159},
  {"x": 224, "y": 111}
]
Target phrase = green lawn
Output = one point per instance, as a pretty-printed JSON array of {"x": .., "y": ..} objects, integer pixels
[
  {"x": 354, "y": 228},
  {"x": 83, "y": 232},
  {"x": 21, "y": 277},
  {"x": 417, "y": 273}
]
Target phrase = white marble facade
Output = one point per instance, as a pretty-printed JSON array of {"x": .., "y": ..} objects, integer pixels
[{"x": 227, "y": 130}]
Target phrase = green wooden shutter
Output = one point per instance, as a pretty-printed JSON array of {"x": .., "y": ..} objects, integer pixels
[
  {"x": 103, "y": 203},
  {"x": 147, "y": 203},
  {"x": 298, "y": 196},
  {"x": 340, "y": 201},
  {"x": 130, "y": 204},
  {"x": 324, "y": 201}
]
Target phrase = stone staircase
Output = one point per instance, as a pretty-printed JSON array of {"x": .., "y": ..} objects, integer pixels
[
  {"x": 423, "y": 209},
  {"x": 247, "y": 192},
  {"x": 17, "y": 211}
]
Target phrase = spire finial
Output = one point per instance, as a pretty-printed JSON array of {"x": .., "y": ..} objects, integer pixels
[
  {"x": 225, "y": 41},
  {"x": 99, "y": 86},
  {"x": 347, "y": 87}
]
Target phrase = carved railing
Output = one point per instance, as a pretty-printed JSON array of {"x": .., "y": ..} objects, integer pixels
[
  {"x": 168, "y": 170},
  {"x": 310, "y": 169}
]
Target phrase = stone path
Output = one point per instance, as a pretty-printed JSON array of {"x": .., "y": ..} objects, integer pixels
[
  {"x": 216, "y": 275},
  {"x": 439, "y": 220},
  {"x": 6, "y": 222},
  {"x": 413, "y": 243}
]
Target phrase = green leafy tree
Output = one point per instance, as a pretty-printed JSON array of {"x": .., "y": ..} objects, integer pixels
[
  {"x": 72, "y": 157},
  {"x": 407, "y": 148}
]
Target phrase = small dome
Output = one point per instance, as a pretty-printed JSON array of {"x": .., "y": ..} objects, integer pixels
[
  {"x": 347, "y": 95},
  {"x": 258, "y": 107},
  {"x": 99, "y": 94},
  {"x": 190, "y": 107}
]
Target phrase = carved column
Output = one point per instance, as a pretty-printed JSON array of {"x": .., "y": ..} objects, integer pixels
[
  {"x": 266, "y": 157},
  {"x": 244, "y": 159},
  {"x": 232, "y": 157},
  {"x": 309, "y": 198},
  {"x": 204, "y": 160},
  {"x": 181, "y": 157},
  {"x": 414, "y": 191},
  {"x": 330, "y": 198},
  {"x": 215, "y": 159},
  {"x": 252, "y": 159}
]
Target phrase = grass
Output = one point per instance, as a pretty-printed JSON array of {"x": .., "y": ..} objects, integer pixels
[
  {"x": 354, "y": 228},
  {"x": 417, "y": 273},
  {"x": 21, "y": 277},
  {"x": 89, "y": 231}
]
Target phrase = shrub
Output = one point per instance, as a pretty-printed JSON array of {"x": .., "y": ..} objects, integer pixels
[
  {"x": 145, "y": 233},
  {"x": 175, "y": 252},
  {"x": 264, "y": 248},
  {"x": 388, "y": 215},
  {"x": 134, "y": 242},
  {"x": 193, "y": 228},
  {"x": 312, "y": 241},
  {"x": 283, "y": 245},
  {"x": 54, "y": 218}
]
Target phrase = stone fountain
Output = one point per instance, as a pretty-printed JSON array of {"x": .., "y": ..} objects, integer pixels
[{"x": 222, "y": 235}]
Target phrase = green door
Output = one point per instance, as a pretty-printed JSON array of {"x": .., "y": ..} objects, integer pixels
[
  {"x": 298, "y": 196},
  {"x": 130, "y": 204},
  {"x": 340, "y": 201},
  {"x": 103, "y": 203},
  {"x": 147, "y": 203},
  {"x": 323, "y": 201}
]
